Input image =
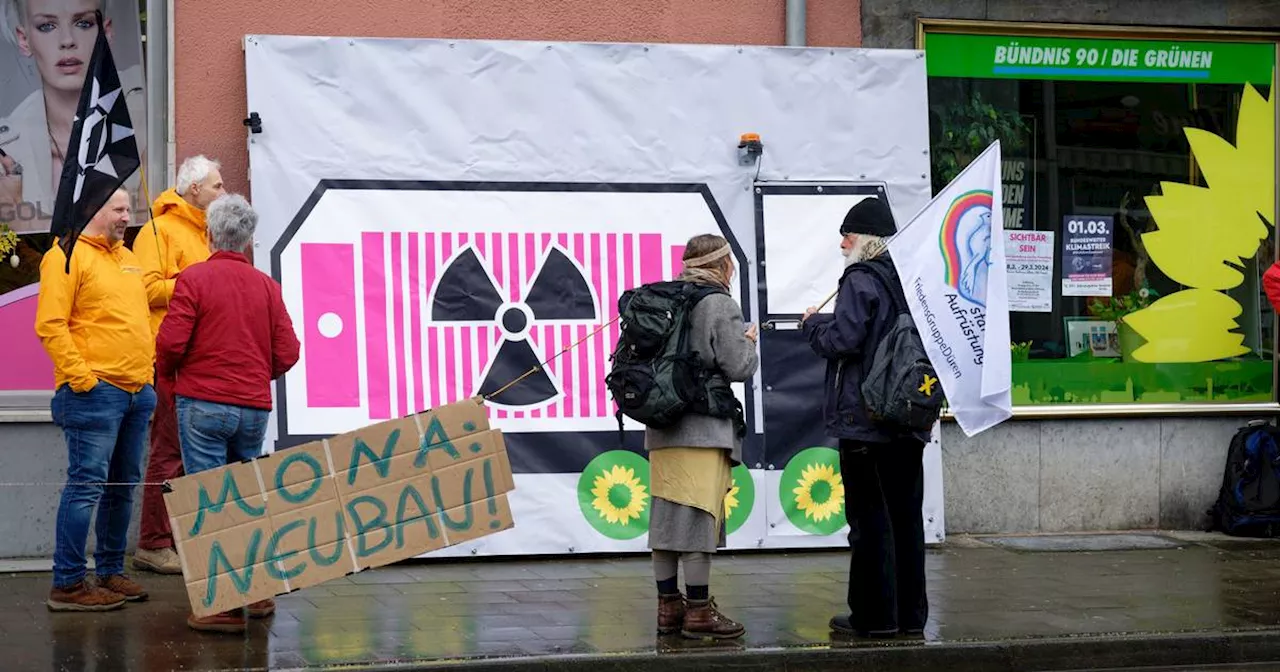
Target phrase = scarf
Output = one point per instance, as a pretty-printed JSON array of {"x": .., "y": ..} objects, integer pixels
[{"x": 704, "y": 276}]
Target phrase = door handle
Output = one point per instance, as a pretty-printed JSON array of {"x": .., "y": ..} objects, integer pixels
[{"x": 781, "y": 324}]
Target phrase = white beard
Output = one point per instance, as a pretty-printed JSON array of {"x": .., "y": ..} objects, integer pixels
[
  {"x": 863, "y": 248},
  {"x": 850, "y": 258}
]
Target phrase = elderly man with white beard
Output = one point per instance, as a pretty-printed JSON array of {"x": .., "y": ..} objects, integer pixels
[{"x": 881, "y": 467}]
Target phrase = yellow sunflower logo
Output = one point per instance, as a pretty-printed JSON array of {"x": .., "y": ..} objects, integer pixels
[
  {"x": 619, "y": 495},
  {"x": 731, "y": 500},
  {"x": 820, "y": 492}
]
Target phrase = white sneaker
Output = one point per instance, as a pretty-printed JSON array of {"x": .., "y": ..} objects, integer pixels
[{"x": 163, "y": 561}]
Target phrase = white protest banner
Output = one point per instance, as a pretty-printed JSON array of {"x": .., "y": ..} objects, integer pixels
[{"x": 956, "y": 284}]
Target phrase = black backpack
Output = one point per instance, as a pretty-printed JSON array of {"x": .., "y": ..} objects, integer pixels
[
  {"x": 901, "y": 389},
  {"x": 1249, "y": 500},
  {"x": 655, "y": 377}
]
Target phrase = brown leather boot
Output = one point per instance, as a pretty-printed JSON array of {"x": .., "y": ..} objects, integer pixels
[
  {"x": 703, "y": 619},
  {"x": 84, "y": 596},
  {"x": 671, "y": 610}
]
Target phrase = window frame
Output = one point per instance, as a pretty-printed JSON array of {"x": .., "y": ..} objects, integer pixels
[
  {"x": 33, "y": 406},
  {"x": 926, "y": 26}
]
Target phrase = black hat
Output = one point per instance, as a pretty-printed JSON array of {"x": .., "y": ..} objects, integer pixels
[{"x": 869, "y": 217}]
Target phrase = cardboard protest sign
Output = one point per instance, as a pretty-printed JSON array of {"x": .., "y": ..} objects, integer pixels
[{"x": 309, "y": 514}]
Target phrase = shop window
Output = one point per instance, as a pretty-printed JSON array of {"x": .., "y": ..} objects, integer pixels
[
  {"x": 1139, "y": 187},
  {"x": 27, "y": 185}
]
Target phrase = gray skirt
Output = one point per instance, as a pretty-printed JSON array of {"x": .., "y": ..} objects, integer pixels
[{"x": 683, "y": 529}]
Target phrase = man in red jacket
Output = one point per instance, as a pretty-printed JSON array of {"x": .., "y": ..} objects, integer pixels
[{"x": 226, "y": 337}]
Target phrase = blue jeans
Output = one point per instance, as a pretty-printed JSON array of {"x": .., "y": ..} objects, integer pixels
[
  {"x": 213, "y": 435},
  {"x": 106, "y": 433}
]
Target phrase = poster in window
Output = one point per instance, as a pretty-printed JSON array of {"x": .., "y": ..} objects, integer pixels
[
  {"x": 44, "y": 58},
  {"x": 1086, "y": 255},
  {"x": 1029, "y": 260}
]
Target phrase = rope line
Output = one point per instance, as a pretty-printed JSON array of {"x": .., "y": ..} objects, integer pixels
[
  {"x": 164, "y": 484},
  {"x": 487, "y": 397},
  {"x": 538, "y": 368}
]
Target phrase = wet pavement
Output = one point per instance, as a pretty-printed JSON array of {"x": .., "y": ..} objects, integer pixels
[{"x": 1201, "y": 600}]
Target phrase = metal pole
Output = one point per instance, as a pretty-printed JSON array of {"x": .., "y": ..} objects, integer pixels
[
  {"x": 796, "y": 19},
  {"x": 157, "y": 133}
]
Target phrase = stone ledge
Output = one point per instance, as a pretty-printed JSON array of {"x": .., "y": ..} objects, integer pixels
[{"x": 1054, "y": 653}]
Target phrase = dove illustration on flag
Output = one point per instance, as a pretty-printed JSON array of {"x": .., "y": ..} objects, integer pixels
[
  {"x": 102, "y": 152},
  {"x": 951, "y": 261}
]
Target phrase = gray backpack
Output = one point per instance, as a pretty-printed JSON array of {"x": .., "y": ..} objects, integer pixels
[{"x": 901, "y": 390}]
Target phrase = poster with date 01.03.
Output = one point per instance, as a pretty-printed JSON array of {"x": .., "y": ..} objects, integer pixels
[{"x": 1086, "y": 255}]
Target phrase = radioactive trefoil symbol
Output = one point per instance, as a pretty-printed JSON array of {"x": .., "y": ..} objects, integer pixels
[{"x": 467, "y": 293}]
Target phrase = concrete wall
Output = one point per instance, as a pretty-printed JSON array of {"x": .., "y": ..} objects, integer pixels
[
  {"x": 892, "y": 23},
  {"x": 35, "y": 453},
  {"x": 1079, "y": 475}
]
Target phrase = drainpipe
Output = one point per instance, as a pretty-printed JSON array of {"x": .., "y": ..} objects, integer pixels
[
  {"x": 159, "y": 81},
  {"x": 795, "y": 23}
]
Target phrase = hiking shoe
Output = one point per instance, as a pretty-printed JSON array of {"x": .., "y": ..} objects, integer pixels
[
  {"x": 261, "y": 609},
  {"x": 232, "y": 621},
  {"x": 842, "y": 625},
  {"x": 671, "y": 609},
  {"x": 160, "y": 561},
  {"x": 703, "y": 619},
  {"x": 84, "y": 596},
  {"x": 119, "y": 583}
]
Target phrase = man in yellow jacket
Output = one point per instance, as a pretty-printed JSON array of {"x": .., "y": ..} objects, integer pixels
[
  {"x": 93, "y": 323},
  {"x": 177, "y": 240}
]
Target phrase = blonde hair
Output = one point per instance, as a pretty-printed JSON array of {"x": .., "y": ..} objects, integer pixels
[{"x": 14, "y": 16}]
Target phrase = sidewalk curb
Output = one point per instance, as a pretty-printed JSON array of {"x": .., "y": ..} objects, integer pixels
[{"x": 1050, "y": 653}]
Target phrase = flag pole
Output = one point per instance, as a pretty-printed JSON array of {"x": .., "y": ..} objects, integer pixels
[
  {"x": 962, "y": 173},
  {"x": 827, "y": 300},
  {"x": 151, "y": 219},
  {"x": 898, "y": 232}
]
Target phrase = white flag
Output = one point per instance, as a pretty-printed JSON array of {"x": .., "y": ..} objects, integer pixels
[{"x": 951, "y": 260}]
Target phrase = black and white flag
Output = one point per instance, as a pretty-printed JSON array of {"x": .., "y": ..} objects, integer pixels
[{"x": 102, "y": 152}]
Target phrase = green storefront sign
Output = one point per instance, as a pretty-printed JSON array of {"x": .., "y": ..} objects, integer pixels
[{"x": 1006, "y": 57}]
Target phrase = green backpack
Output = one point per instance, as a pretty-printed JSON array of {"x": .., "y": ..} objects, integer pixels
[{"x": 655, "y": 378}]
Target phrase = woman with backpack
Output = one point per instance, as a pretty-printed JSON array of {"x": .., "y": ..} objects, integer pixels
[{"x": 690, "y": 460}]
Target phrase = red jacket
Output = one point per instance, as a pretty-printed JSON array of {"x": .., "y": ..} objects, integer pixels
[
  {"x": 227, "y": 334},
  {"x": 1271, "y": 285}
]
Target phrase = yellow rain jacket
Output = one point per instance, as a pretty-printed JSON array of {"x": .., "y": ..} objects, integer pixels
[
  {"x": 93, "y": 321},
  {"x": 177, "y": 242}
]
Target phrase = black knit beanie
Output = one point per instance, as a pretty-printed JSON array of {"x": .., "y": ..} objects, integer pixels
[{"x": 871, "y": 216}]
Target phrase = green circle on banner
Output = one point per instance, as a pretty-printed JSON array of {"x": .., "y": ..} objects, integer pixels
[
  {"x": 613, "y": 493},
  {"x": 812, "y": 492},
  {"x": 740, "y": 500}
]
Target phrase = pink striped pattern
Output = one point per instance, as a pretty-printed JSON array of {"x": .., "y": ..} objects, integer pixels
[
  {"x": 398, "y": 301},
  {"x": 415, "y": 321},
  {"x": 375, "y": 325},
  {"x": 440, "y": 363},
  {"x": 332, "y": 364},
  {"x": 677, "y": 259}
]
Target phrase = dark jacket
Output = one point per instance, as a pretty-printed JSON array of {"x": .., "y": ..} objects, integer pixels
[
  {"x": 847, "y": 339},
  {"x": 227, "y": 334}
]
